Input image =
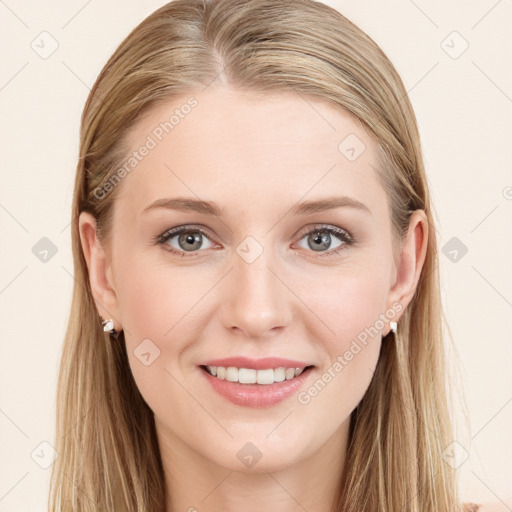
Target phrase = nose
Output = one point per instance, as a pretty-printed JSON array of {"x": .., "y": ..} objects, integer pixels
[{"x": 257, "y": 302}]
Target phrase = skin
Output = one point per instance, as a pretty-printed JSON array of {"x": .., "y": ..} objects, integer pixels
[{"x": 256, "y": 157}]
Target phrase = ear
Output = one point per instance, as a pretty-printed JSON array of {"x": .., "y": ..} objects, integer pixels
[
  {"x": 100, "y": 271},
  {"x": 410, "y": 263}
]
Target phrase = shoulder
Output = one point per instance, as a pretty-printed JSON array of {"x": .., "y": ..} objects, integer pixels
[{"x": 495, "y": 506}]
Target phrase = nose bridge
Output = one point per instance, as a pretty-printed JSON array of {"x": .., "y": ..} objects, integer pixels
[{"x": 258, "y": 302}]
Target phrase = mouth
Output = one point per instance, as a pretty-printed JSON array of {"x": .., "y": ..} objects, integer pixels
[
  {"x": 260, "y": 382},
  {"x": 256, "y": 388},
  {"x": 255, "y": 377}
]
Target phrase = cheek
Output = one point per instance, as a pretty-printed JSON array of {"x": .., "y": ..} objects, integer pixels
[
  {"x": 353, "y": 308},
  {"x": 157, "y": 304},
  {"x": 346, "y": 305},
  {"x": 158, "y": 299},
  {"x": 163, "y": 314},
  {"x": 352, "y": 311}
]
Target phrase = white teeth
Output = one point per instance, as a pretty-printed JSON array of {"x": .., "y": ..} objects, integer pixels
[
  {"x": 280, "y": 374},
  {"x": 251, "y": 376},
  {"x": 265, "y": 376},
  {"x": 232, "y": 374},
  {"x": 290, "y": 373},
  {"x": 247, "y": 376}
]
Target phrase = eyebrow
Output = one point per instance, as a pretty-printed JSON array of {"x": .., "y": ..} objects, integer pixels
[
  {"x": 329, "y": 203},
  {"x": 210, "y": 208}
]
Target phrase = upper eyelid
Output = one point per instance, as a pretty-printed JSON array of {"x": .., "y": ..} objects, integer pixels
[
  {"x": 172, "y": 232},
  {"x": 326, "y": 227}
]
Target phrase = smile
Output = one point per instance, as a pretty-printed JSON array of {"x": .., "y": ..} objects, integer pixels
[
  {"x": 256, "y": 388},
  {"x": 252, "y": 376}
]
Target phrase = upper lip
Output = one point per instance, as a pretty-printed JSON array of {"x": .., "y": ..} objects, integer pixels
[{"x": 256, "y": 364}]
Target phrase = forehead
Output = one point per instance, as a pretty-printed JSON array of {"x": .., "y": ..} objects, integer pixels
[{"x": 250, "y": 149}]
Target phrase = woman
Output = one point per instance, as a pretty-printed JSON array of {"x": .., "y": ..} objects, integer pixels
[{"x": 257, "y": 319}]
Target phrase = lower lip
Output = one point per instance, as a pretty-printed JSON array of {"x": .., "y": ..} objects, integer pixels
[{"x": 257, "y": 395}]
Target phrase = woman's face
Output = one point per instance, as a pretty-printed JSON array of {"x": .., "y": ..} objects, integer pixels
[{"x": 295, "y": 263}]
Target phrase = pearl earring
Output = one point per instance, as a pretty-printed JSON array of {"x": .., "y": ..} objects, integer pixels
[
  {"x": 108, "y": 326},
  {"x": 393, "y": 326}
]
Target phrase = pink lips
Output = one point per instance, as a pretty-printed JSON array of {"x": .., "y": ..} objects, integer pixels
[{"x": 256, "y": 395}]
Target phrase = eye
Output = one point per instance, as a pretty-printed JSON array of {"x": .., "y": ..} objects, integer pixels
[
  {"x": 184, "y": 239},
  {"x": 321, "y": 238}
]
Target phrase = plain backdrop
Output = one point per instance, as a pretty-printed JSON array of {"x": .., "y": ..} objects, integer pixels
[{"x": 455, "y": 59}]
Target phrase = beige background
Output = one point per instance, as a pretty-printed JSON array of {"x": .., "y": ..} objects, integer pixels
[{"x": 463, "y": 101}]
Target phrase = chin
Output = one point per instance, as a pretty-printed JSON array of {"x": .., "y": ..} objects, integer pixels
[{"x": 258, "y": 455}]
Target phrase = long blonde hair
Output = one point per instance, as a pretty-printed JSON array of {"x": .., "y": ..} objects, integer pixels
[{"x": 108, "y": 457}]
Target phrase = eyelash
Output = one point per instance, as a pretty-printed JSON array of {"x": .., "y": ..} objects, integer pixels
[{"x": 341, "y": 234}]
